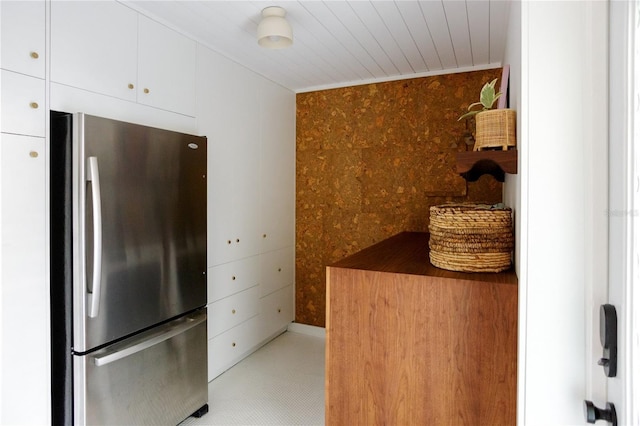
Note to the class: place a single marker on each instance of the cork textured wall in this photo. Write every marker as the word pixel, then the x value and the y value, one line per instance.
pixel 370 161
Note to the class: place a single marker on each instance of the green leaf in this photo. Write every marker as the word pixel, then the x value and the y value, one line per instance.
pixel 488 95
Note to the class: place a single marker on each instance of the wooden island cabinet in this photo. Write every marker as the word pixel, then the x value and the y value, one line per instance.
pixel 411 344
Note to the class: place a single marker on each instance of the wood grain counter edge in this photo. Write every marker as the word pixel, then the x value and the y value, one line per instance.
pixel 408 253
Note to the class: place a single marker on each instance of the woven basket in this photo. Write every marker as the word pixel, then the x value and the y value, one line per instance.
pixel 471 237
pixel 495 128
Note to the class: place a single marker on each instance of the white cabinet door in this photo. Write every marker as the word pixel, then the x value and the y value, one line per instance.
pixel 277 166
pixel 166 68
pixel 23 110
pixel 25 366
pixel 94 46
pixel 228 114
pixel 242 132
pixel 22 24
pixel 246 200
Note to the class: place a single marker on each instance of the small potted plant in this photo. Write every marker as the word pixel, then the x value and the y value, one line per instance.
pixel 495 128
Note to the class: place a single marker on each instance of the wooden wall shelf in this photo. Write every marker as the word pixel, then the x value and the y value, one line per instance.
pixel 473 164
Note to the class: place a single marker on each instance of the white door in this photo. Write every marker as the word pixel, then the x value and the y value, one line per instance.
pixel 624 201
pixel 565 193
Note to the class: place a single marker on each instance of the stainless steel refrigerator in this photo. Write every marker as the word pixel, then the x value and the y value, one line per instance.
pixel 128 272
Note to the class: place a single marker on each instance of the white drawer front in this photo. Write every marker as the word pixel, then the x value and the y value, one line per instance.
pixel 23 109
pixel 276 311
pixel 276 270
pixel 233 277
pixel 231 311
pixel 231 346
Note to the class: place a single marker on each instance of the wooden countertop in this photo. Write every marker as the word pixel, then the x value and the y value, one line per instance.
pixel 408 253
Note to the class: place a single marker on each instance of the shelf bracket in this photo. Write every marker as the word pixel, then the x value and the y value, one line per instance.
pixel 473 164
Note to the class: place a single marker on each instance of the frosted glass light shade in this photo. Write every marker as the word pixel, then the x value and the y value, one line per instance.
pixel 274 32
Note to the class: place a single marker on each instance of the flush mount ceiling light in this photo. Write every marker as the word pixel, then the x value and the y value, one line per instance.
pixel 274 32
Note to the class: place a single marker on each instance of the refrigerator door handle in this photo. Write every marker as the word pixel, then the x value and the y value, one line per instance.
pixel 93 176
pixel 146 341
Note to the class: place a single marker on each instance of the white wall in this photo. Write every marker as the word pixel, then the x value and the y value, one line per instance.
pixel 556 51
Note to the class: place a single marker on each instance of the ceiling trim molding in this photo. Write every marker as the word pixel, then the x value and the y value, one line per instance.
pixel 400 77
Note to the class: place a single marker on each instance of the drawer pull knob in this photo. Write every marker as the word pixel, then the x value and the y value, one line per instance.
pixel 228 241
pixel 34 105
pixel 233 345
pixel 264 235
pixel 233 278
pixel 33 154
pixel 279 310
pixel 233 311
pixel 279 269
pixel 146 90
pixel 237 240
pixel 34 55
pixel 130 86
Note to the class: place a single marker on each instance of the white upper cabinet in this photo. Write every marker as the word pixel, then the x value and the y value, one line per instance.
pixel 108 48
pixel 94 47
pixel 23 37
pixel 166 68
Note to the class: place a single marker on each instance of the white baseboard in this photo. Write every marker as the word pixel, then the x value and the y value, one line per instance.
pixel 310 330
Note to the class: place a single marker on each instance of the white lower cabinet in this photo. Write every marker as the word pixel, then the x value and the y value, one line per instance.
pixel 24 281
pixel 276 270
pixel 233 310
pixel 233 277
pixel 250 302
pixel 276 312
pixel 233 345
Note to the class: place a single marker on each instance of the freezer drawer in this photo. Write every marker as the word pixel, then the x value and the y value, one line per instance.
pixel 156 377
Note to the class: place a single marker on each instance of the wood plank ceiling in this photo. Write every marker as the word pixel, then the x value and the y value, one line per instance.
pixel 341 43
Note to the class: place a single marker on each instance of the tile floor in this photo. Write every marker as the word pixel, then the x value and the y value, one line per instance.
pixel 280 384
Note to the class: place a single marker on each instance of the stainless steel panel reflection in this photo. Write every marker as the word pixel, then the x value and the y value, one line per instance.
pixel 153 187
pixel 163 384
